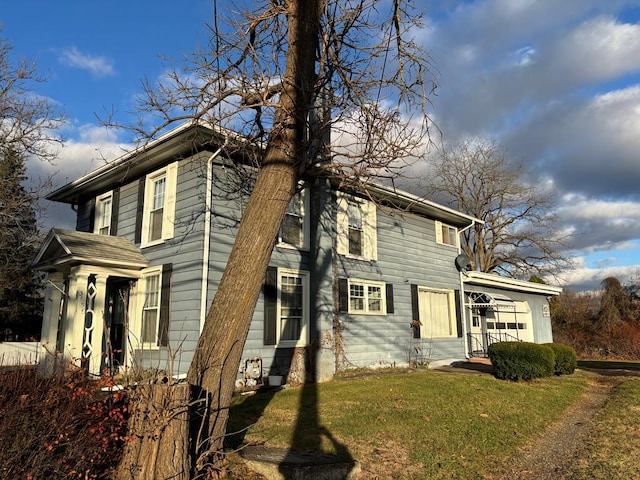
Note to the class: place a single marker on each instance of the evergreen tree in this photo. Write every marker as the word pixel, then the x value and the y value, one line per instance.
pixel 20 294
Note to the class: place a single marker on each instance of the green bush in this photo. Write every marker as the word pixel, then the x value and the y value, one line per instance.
pixel 566 358
pixel 521 360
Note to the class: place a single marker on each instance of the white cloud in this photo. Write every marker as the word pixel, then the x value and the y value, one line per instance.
pixel 96 65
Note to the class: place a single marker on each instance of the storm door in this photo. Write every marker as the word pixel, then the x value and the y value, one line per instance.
pixel 116 324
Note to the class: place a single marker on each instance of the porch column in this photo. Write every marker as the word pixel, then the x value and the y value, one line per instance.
pixel 74 321
pixel 51 320
pixel 94 323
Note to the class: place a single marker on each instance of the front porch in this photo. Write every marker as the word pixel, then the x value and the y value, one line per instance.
pixel 89 277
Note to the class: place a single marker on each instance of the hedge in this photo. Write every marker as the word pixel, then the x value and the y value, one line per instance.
pixel 566 358
pixel 521 360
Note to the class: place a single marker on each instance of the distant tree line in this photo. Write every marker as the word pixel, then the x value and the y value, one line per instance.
pixel 600 324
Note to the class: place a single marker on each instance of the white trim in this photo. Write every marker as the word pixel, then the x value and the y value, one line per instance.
pixel 365 284
pixel 304 193
pixel 439 237
pixel 369 227
pixel 492 280
pixel 304 328
pixel 139 305
pixel 98 213
pixel 170 174
pixel 204 289
pixel 451 304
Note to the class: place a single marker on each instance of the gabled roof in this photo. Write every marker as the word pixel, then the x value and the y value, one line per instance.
pixel 186 138
pixel 68 247
pixel 506 283
pixel 198 135
pixel 421 205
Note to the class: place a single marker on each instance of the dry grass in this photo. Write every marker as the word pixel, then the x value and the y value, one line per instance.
pixel 613 448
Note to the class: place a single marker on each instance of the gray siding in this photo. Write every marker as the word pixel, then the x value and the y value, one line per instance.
pixel 407 254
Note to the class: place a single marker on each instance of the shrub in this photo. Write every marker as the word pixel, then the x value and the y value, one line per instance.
pixel 521 360
pixel 566 358
pixel 59 426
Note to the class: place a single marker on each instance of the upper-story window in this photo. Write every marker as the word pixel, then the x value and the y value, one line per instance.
pixel 295 226
pixel 103 212
pixel 356 227
pixel 159 205
pixel 446 234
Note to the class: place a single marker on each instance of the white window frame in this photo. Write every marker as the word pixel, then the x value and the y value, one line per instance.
pixel 304 328
pixel 101 220
pixel 440 238
pixel 303 196
pixel 369 227
pixel 170 174
pixel 365 284
pixel 451 310
pixel 145 275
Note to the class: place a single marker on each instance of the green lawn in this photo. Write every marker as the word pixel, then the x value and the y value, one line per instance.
pixel 421 424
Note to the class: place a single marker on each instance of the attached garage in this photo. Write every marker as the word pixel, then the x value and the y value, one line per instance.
pixel 502 309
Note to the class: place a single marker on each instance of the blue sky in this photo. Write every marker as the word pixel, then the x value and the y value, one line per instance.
pixel 556 82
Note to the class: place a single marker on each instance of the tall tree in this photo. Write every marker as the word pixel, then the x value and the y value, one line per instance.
pixel 615 304
pixel 283 75
pixel 518 237
pixel 20 298
pixel 28 125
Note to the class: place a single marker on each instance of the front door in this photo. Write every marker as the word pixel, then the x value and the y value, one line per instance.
pixel 116 324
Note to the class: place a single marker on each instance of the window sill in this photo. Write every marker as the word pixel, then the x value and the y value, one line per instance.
pixel 379 314
pixel 357 257
pixel 288 246
pixel 152 244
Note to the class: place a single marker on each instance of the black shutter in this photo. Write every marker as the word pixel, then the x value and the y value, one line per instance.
pixel 458 313
pixel 92 214
pixel 139 211
pixel 115 206
pixel 343 295
pixel 270 298
pixel 389 289
pixel 165 305
pixel 415 311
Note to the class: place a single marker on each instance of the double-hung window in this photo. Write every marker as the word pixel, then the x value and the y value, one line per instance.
pixel 159 205
pixel 153 305
pixel 446 234
pixel 286 308
pixel 367 297
pixel 356 227
pixel 295 226
pixel 103 212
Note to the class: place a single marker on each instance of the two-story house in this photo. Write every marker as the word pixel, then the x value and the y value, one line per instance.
pixel 354 280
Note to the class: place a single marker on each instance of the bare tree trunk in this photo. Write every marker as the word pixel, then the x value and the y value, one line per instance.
pixel 158 447
pixel 214 366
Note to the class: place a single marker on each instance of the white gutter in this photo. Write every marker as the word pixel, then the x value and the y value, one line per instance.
pixel 207 239
pixel 462 305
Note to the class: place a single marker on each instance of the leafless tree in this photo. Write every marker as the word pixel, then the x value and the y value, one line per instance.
pixel 28 123
pixel 519 236
pixel 283 74
pixel 28 126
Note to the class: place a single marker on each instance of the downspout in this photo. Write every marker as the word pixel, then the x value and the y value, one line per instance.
pixel 463 296
pixel 207 238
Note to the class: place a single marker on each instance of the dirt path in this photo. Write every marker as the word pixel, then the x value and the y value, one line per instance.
pixel 549 456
